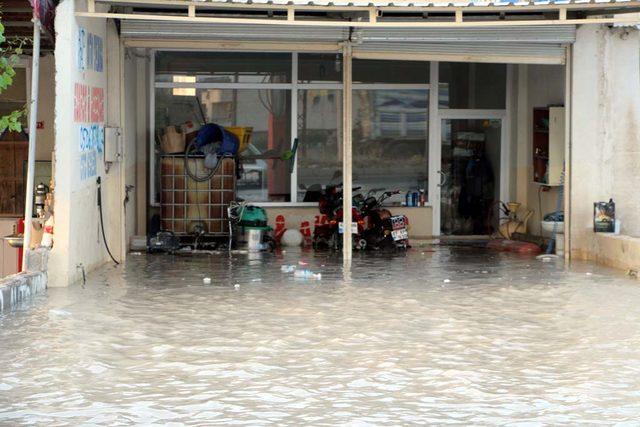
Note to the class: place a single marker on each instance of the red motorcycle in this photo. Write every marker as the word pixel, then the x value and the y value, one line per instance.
pixel 328 235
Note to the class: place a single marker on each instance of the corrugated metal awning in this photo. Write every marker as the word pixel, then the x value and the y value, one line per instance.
pixel 370 14
pixel 414 3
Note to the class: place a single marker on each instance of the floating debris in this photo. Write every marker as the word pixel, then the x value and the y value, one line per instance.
pixel 307 274
pixel 288 268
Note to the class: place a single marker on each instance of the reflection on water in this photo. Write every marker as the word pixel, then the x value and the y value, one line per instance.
pixel 455 335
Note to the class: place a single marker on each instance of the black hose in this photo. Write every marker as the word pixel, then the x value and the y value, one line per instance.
pixel 104 238
pixel 187 168
pixel 204 119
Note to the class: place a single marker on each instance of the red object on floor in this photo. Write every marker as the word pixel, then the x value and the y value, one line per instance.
pixel 305 229
pixel 280 228
pixel 503 245
pixel 20 230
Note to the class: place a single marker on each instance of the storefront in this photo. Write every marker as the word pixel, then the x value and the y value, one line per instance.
pixel 284 96
pixel 402 97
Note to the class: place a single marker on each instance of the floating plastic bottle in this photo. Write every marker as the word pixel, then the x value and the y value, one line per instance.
pixel 307 274
pixel 288 268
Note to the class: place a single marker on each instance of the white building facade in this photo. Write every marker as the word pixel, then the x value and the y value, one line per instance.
pixel 376 94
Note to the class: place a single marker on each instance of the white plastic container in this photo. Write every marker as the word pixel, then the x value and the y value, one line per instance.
pixel 254 239
pixel 548 227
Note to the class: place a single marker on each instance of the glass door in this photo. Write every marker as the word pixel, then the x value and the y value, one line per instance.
pixel 470 176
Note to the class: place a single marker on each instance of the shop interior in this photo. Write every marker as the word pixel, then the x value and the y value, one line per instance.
pixel 451 162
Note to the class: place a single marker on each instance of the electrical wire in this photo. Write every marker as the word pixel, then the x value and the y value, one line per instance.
pixel 104 238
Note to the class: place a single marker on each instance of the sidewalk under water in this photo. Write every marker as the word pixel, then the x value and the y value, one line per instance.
pixel 456 335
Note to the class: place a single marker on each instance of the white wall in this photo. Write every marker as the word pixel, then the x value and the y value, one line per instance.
pixel 46 107
pixel 605 135
pixel 77 232
pixel 8 255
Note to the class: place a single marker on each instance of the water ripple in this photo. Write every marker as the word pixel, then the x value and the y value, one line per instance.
pixel 452 336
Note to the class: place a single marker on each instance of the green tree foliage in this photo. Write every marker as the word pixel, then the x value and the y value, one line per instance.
pixel 9 52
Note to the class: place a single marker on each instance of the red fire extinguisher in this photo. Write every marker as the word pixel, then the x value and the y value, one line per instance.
pixel 20 230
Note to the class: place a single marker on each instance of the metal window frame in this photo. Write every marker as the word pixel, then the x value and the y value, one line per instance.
pixel 434 121
pixel 294 86
pixel 435 143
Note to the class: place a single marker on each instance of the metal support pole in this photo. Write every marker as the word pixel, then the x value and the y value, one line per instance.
pixel 347 158
pixel 33 118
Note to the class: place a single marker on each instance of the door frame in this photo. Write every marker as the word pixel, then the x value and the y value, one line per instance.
pixel 436 153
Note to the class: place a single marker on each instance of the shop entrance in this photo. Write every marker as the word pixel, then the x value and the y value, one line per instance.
pixel 470 175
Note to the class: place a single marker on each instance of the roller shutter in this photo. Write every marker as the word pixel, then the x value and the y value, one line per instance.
pixel 544 44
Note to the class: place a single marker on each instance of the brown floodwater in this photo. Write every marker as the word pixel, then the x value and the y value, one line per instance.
pixel 457 335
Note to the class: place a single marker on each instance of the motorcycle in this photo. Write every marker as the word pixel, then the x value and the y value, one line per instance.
pixel 381 229
pixel 327 235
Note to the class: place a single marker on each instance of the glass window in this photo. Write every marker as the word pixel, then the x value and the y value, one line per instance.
pixel 319 140
pixel 390 140
pixel 224 67
pixel 379 71
pixel 268 112
pixel 466 85
pixel 320 67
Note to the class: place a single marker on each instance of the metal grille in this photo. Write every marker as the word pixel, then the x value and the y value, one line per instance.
pixel 187 205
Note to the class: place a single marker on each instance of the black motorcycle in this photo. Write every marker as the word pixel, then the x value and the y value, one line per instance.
pixel 381 229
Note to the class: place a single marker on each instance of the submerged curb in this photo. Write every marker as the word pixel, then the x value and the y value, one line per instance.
pixel 20 287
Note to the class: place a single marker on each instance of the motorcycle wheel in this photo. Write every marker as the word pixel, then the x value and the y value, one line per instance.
pixel 320 243
pixel 361 245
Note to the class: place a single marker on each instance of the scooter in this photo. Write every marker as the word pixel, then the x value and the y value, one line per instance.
pixel 381 229
pixel 328 235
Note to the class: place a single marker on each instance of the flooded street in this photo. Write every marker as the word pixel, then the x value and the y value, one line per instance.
pixel 457 335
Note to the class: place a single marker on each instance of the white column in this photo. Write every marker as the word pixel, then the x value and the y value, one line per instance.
pixel 347 160
pixel 434 148
pixel 33 119
pixel 567 153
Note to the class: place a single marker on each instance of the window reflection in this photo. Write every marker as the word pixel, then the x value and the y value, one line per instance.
pixel 320 139
pixel 267 112
pixel 390 139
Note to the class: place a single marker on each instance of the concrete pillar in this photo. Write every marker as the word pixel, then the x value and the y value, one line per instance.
pixel 81 113
pixel 605 131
